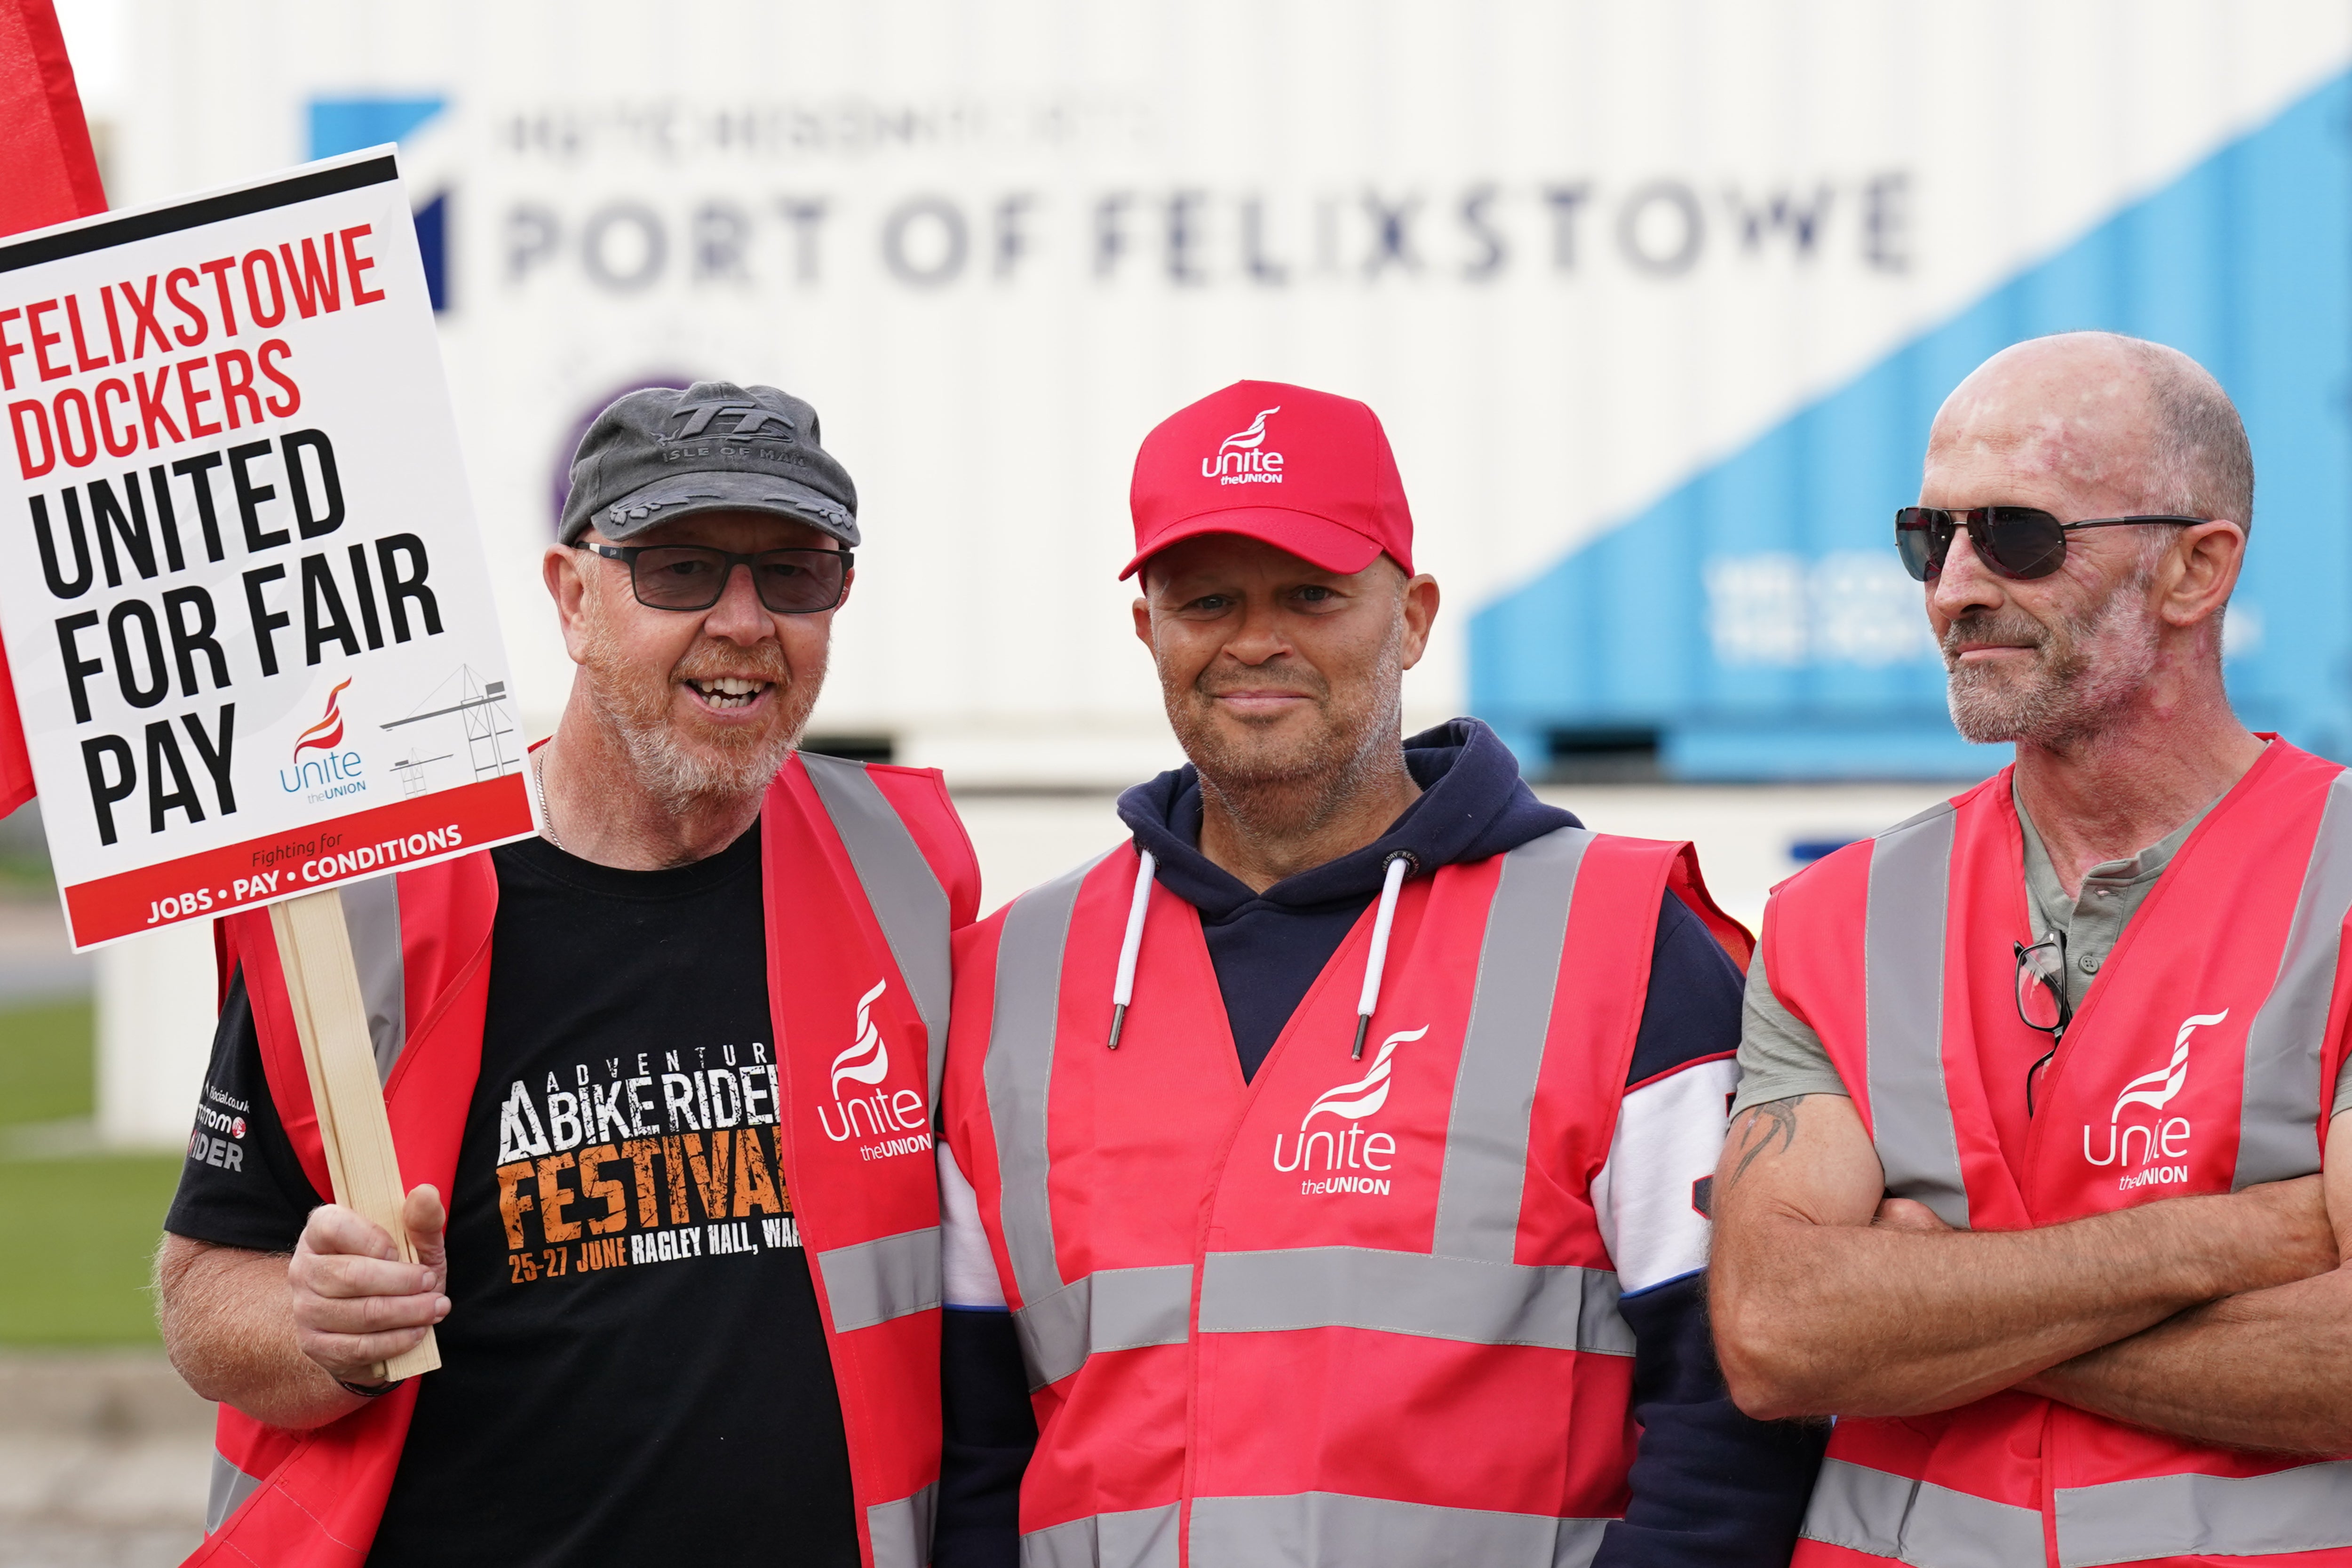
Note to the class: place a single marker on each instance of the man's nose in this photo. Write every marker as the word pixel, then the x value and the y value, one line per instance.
pixel 1259 637
pixel 1965 583
pixel 739 616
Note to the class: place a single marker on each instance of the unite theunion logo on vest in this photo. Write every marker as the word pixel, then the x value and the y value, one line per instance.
pixel 1241 458
pixel 2158 1138
pixel 1348 1148
pixel 899 1121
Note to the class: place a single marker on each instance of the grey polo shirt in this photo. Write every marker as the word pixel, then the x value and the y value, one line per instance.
pixel 1780 1057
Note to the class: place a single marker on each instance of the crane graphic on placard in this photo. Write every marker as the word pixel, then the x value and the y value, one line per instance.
pixel 464 713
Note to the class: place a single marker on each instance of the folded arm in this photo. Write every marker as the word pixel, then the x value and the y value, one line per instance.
pixel 2268 1369
pixel 1822 1308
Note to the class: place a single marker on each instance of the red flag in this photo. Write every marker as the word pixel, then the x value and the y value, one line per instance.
pixel 47 175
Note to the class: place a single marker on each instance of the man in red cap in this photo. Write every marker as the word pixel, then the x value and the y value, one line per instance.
pixel 1326 1163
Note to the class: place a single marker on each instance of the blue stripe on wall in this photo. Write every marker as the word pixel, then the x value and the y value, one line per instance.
pixel 340 125
pixel 1748 616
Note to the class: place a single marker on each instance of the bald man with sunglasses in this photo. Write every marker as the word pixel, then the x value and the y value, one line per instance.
pixel 2038 1178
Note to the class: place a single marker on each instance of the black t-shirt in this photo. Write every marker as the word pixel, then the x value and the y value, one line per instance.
pixel 633 1367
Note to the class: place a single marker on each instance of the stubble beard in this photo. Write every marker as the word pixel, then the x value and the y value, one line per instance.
pixel 2087 668
pixel 723 766
pixel 1280 789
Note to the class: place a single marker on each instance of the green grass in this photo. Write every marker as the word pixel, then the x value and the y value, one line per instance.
pixel 46 1063
pixel 75 1234
pixel 26 874
pixel 78 1235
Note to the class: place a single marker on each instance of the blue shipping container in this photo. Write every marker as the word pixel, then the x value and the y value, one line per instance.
pixel 1753 623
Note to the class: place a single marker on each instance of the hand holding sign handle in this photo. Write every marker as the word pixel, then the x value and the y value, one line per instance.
pixel 323 985
pixel 357 1305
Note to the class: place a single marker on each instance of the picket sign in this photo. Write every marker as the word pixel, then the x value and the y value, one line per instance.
pixel 225 427
pixel 314 946
pixel 69 261
pixel 53 178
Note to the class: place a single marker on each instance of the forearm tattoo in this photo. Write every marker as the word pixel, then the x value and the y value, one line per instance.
pixel 1763 1123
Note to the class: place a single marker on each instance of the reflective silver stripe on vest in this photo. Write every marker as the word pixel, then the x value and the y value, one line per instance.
pixel 227 1492
pixel 1881 1514
pixel 901 1531
pixel 2308 1509
pixel 1109 1310
pixel 1502 1049
pixel 875 1281
pixel 1903 969
pixel 1465 1299
pixel 1330 1530
pixel 1137 1537
pixel 2278 1127
pixel 371 915
pixel 902 890
pixel 1019 1071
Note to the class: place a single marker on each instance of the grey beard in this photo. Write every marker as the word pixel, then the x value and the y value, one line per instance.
pixel 2086 670
pixel 677 776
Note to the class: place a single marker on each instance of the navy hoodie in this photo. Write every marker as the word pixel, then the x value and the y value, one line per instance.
pixel 1710 1486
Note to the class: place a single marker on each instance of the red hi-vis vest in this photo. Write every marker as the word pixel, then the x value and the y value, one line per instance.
pixel 2198 1063
pixel 866 872
pixel 1351 1311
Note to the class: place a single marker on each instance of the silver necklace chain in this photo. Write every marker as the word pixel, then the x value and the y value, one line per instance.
pixel 539 777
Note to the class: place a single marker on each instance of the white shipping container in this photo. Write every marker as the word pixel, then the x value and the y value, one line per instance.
pixel 1569 252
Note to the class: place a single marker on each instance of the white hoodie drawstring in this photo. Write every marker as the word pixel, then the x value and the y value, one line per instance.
pixel 1122 989
pixel 1400 863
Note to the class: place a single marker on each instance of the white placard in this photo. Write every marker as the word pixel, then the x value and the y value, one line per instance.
pixel 246 610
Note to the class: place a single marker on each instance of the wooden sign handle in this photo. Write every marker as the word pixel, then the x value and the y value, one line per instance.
pixel 315 948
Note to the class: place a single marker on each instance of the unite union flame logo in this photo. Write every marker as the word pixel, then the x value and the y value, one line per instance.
pixel 868 1060
pixel 2156 1088
pixel 1354 1102
pixel 1251 439
pixel 328 733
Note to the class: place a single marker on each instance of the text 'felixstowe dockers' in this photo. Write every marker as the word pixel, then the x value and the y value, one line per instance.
pixel 229 480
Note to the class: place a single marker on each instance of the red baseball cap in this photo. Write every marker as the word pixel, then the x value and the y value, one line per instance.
pixel 1301 469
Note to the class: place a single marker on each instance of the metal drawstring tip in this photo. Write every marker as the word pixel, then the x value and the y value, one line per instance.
pixel 1363 1027
pixel 1117 1022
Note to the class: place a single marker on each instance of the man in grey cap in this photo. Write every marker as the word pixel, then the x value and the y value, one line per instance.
pixel 673 1063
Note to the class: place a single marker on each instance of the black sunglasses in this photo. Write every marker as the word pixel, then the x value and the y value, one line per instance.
pixel 694 576
pixel 2041 998
pixel 2020 542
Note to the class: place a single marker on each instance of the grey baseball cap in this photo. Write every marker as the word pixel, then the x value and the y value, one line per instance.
pixel 659 453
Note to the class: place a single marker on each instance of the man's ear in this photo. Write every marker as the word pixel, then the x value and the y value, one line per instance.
pixel 1421 598
pixel 1143 608
pixel 2206 564
pixel 560 570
